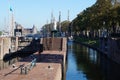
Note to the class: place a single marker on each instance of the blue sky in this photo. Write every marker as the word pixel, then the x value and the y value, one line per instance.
pixel 37 12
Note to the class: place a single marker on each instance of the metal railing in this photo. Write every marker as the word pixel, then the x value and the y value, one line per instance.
pixel 25 69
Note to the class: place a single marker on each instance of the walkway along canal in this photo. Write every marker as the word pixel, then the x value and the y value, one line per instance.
pixel 87 64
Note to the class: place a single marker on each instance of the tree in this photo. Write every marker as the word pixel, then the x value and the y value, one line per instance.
pixel 93 17
pixel 0 33
pixel 65 26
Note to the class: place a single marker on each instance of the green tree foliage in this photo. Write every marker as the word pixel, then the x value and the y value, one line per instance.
pixel 0 32
pixel 101 14
pixel 65 25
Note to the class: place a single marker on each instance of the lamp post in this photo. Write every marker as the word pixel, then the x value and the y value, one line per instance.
pixel 54 28
pixel 43 31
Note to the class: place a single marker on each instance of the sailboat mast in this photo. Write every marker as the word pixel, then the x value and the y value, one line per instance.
pixel 60 21
pixel 12 24
pixel 68 15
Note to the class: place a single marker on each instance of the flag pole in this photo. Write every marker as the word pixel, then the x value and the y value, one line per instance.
pixel 11 22
pixel 11 33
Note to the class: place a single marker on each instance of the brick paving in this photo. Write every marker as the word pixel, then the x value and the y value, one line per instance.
pixel 40 72
pixel 48 66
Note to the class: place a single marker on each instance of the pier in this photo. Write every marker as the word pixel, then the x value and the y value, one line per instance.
pixel 49 63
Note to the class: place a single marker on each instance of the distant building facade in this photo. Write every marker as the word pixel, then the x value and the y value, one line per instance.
pixel 21 31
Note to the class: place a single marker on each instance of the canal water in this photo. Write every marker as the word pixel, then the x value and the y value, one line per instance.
pixel 87 64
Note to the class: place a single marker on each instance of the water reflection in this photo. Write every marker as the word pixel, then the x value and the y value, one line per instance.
pixel 87 64
pixel 72 72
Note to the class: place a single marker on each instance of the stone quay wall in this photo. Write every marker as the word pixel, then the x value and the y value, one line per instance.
pixel 111 47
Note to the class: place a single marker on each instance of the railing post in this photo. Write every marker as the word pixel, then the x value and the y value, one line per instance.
pixel 25 70
pixel 35 62
pixel 21 70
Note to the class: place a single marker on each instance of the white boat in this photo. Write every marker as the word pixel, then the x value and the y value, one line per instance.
pixel 70 38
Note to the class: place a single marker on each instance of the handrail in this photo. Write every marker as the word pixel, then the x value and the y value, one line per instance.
pixel 28 67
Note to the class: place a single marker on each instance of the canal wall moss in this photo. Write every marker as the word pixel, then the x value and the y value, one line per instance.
pixel 92 43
